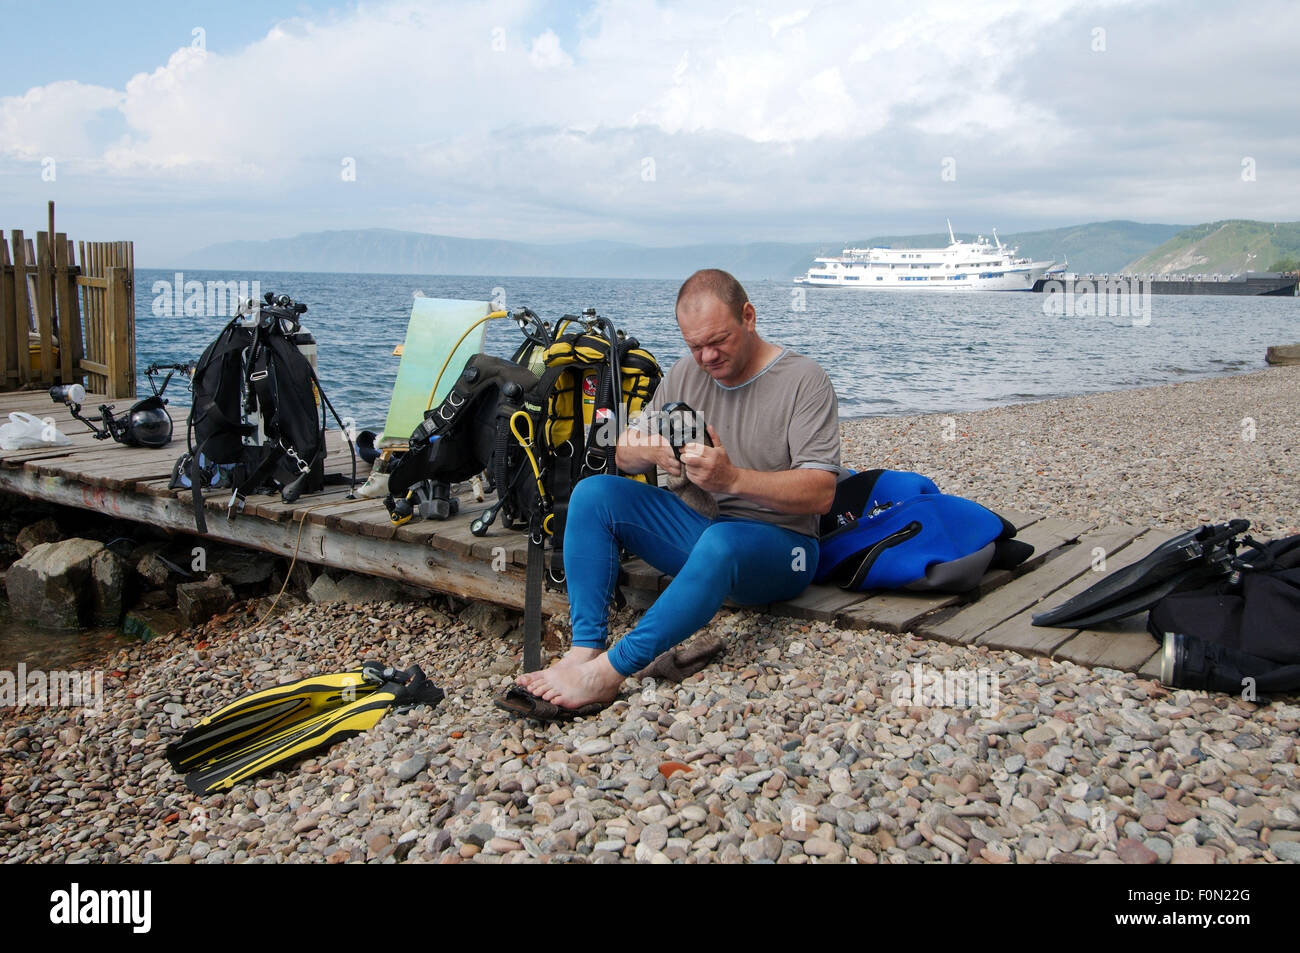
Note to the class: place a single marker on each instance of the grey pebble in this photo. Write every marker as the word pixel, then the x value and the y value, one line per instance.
pixel 1160 847
pixel 409 768
pixel 1286 850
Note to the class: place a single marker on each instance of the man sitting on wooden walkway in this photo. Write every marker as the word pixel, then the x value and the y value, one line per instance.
pixel 773 419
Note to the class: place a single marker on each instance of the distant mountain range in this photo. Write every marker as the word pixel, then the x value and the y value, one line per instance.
pixel 387 251
pixel 1224 248
pixel 1096 247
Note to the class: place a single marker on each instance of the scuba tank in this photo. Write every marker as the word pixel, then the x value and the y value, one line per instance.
pixel 302 339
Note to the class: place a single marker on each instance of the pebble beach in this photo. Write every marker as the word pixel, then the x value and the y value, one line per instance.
pixel 794 747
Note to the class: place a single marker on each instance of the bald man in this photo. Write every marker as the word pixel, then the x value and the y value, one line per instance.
pixel 773 419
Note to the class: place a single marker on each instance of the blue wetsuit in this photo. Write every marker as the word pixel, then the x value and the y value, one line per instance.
pixel 784 418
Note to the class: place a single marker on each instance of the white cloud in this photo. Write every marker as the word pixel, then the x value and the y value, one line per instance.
pixel 547 52
pixel 55 120
pixel 771 122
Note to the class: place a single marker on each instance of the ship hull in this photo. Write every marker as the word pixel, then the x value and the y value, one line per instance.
pixel 1018 279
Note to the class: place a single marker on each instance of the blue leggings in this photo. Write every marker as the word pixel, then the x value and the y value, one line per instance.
pixel 751 562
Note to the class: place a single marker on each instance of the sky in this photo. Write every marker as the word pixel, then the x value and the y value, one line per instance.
pixel 179 125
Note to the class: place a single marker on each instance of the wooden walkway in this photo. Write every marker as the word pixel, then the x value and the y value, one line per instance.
pixel 332 530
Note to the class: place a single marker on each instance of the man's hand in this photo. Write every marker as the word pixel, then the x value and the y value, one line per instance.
pixel 637 452
pixel 804 490
pixel 710 468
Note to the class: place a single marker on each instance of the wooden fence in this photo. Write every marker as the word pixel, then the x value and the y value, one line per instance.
pixel 62 321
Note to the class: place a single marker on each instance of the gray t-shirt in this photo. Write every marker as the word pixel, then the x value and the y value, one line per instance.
pixel 786 417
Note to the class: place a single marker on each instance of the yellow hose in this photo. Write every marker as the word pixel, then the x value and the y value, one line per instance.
pixel 527 444
pixel 438 380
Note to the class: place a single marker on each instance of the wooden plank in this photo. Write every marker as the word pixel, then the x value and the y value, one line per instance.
pixel 116 456
pixel 85 453
pixel 156 488
pixel 9 372
pixel 108 331
pixel 971 622
pixel 95 379
pixel 819 603
pixel 417 531
pixel 45 306
pixel 1020 634
pixel 63 298
pixel 128 261
pixel 74 305
pixel 104 472
pixel 1126 646
pixel 31 401
pixel 486 547
pixel 274 509
pixel 121 378
pixel 124 479
pixel 369 521
pixel 455 537
pixel 17 459
pixel 101 320
pixel 21 313
pixel 120 258
pixel 1018 519
pixel 82 456
pixel 322 516
pixel 95 302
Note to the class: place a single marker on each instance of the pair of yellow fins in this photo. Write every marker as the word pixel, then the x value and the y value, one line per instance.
pixel 271 728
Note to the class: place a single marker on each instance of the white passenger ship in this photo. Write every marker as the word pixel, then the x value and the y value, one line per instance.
pixel 962 266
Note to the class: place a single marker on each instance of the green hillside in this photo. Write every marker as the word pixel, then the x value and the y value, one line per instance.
pixel 1224 248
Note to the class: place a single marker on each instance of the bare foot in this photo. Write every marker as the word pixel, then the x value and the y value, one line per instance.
pixel 578 655
pixel 572 686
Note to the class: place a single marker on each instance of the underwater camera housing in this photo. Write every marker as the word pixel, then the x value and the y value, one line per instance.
pixel 145 424
pixel 681 424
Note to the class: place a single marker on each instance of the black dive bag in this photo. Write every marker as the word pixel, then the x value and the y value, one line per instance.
pixel 258 408
pixel 468 433
pixel 1243 627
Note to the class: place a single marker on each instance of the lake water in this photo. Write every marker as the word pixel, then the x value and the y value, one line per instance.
pixel 886 352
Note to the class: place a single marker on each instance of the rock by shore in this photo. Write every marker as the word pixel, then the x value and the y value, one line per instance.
pixel 796 747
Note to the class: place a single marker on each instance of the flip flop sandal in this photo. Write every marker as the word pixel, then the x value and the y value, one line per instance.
pixel 682 661
pixel 520 701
